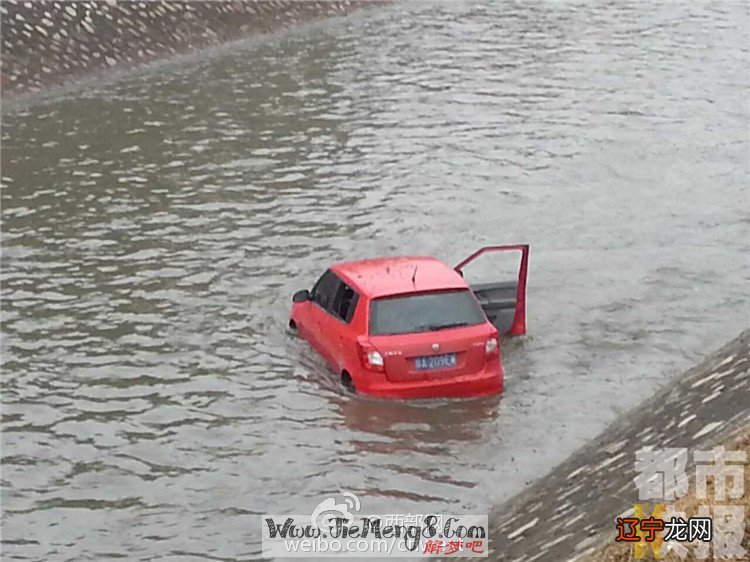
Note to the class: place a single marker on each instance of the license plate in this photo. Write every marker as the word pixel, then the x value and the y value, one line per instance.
pixel 435 362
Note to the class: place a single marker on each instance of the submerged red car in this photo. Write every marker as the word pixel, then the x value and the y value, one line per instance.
pixel 412 327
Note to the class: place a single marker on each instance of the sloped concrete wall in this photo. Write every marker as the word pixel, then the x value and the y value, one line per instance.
pixel 702 408
pixel 46 43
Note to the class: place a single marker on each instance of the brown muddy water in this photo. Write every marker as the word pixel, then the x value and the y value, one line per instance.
pixel 155 227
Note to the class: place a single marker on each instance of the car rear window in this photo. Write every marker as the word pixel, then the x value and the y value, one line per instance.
pixel 424 312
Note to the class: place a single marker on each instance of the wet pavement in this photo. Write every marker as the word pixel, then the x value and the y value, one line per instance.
pixel 155 227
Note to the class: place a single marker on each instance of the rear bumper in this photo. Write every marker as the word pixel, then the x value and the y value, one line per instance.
pixel 485 382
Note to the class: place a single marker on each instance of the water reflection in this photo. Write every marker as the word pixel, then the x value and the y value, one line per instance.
pixel 431 428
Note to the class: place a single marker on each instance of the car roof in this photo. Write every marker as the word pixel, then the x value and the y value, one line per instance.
pixel 382 277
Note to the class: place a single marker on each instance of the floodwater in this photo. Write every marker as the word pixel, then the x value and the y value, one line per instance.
pixel 155 227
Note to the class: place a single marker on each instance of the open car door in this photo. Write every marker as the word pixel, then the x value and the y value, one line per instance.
pixel 503 301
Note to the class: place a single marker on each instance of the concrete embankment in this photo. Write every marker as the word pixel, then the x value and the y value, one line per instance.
pixel 568 513
pixel 50 43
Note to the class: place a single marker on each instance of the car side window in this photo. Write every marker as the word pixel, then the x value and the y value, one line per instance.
pixel 322 292
pixel 344 302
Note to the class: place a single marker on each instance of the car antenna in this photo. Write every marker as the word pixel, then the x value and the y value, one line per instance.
pixel 414 277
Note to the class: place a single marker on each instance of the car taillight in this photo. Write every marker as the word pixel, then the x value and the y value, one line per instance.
pixel 371 358
pixel 375 359
pixel 492 347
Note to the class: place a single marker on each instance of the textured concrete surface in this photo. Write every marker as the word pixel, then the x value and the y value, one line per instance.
pixel 48 43
pixel 568 513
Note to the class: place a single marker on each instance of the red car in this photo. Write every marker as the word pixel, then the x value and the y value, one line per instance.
pixel 412 327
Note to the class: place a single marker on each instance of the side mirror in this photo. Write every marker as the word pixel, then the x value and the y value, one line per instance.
pixel 301 296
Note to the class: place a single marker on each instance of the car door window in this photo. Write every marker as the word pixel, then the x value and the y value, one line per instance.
pixel 344 302
pixel 323 291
